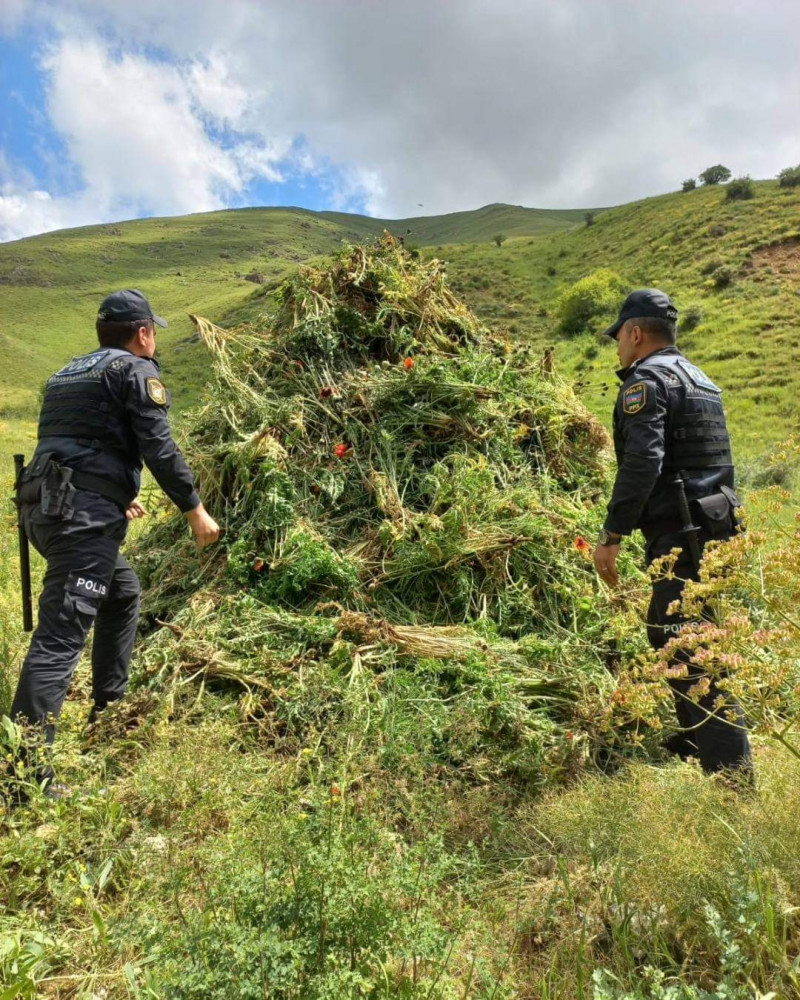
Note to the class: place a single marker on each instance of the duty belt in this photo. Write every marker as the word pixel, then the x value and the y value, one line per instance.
pixel 29 485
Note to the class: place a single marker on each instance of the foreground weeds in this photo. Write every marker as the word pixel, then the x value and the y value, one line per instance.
pixel 210 866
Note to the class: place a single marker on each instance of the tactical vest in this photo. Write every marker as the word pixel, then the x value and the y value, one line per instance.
pixel 696 437
pixel 78 405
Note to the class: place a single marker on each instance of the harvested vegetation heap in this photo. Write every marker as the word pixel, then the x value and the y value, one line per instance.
pixel 399 490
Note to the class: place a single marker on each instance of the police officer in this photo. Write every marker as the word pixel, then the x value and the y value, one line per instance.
pixel 671 443
pixel 103 416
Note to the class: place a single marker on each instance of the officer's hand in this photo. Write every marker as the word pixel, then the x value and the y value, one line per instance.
pixel 135 510
pixel 204 527
pixel 605 562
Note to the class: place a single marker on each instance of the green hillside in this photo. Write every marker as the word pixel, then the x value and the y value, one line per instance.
pixel 51 284
pixel 391 737
pixel 743 331
pixel 733 269
pixel 479 226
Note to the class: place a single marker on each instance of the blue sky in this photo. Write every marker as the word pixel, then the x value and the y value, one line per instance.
pixel 112 110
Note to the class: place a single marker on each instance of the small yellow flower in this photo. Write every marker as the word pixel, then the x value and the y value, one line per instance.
pixel 77 901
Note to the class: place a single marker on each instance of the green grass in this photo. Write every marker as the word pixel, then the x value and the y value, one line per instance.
pixel 52 284
pixel 344 863
pixel 479 226
pixel 746 338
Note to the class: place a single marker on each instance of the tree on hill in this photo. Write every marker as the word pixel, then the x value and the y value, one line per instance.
pixel 589 218
pixel 689 184
pixel 715 175
pixel 500 239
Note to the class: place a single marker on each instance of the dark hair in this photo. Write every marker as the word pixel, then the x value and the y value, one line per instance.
pixel 119 333
pixel 658 329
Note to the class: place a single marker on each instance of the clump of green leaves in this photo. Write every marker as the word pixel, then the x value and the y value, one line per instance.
pixel 589 302
pixel 789 177
pixel 740 189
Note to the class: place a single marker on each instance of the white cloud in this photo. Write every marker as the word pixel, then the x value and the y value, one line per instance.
pixel 220 97
pixel 131 126
pixel 12 14
pixel 136 129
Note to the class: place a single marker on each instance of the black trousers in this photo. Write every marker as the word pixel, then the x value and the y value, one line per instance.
pixel 716 735
pixel 87 583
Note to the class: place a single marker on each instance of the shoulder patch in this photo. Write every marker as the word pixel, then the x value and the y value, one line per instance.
pixel 157 391
pixel 634 398
pixel 698 377
pixel 82 364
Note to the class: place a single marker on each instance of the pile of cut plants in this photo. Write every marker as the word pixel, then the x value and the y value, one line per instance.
pixel 403 494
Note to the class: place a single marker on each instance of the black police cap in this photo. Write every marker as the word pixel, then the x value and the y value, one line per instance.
pixel 644 302
pixel 128 305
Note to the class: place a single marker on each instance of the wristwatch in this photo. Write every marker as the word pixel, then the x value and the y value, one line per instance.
pixel 608 538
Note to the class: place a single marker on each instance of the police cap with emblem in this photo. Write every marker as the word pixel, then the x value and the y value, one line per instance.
pixel 129 305
pixel 644 302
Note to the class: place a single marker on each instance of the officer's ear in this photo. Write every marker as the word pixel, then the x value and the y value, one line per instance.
pixel 637 335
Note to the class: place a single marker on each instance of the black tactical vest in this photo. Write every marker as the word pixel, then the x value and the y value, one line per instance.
pixel 696 438
pixel 78 404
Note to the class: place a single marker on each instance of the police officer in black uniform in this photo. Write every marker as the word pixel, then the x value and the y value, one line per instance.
pixel 672 442
pixel 103 416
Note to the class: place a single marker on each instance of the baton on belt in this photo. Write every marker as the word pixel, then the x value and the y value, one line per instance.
pixel 688 530
pixel 24 553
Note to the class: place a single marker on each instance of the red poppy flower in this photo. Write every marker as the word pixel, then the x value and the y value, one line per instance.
pixel 408 363
pixel 258 564
pixel 335 790
pixel 325 392
pixel 340 450
pixel 581 544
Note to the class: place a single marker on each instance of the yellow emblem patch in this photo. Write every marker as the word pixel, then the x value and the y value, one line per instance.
pixel 634 398
pixel 157 391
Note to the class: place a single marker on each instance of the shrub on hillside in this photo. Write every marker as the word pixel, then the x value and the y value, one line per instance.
pixel 740 189
pixel 689 184
pixel 715 175
pixel 589 301
pixel 723 276
pixel 789 177
pixel 499 239
pixel 589 218
pixel 690 318
pixel 711 265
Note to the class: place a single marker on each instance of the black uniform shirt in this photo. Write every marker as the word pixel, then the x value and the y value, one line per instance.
pixel 141 433
pixel 643 495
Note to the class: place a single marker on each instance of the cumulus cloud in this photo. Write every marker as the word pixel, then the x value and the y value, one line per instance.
pixel 147 137
pixel 552 103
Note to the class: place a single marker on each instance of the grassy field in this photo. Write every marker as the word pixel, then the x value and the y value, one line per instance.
pixel 732 267
pixel 346 840
pixel 52 284
pixel 743 332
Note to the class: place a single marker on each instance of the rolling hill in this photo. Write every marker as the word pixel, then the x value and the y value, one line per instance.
pixel 732 266
pixel 50 285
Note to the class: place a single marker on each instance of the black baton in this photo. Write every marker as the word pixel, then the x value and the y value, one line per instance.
pixel 24 553
pixel 688 530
